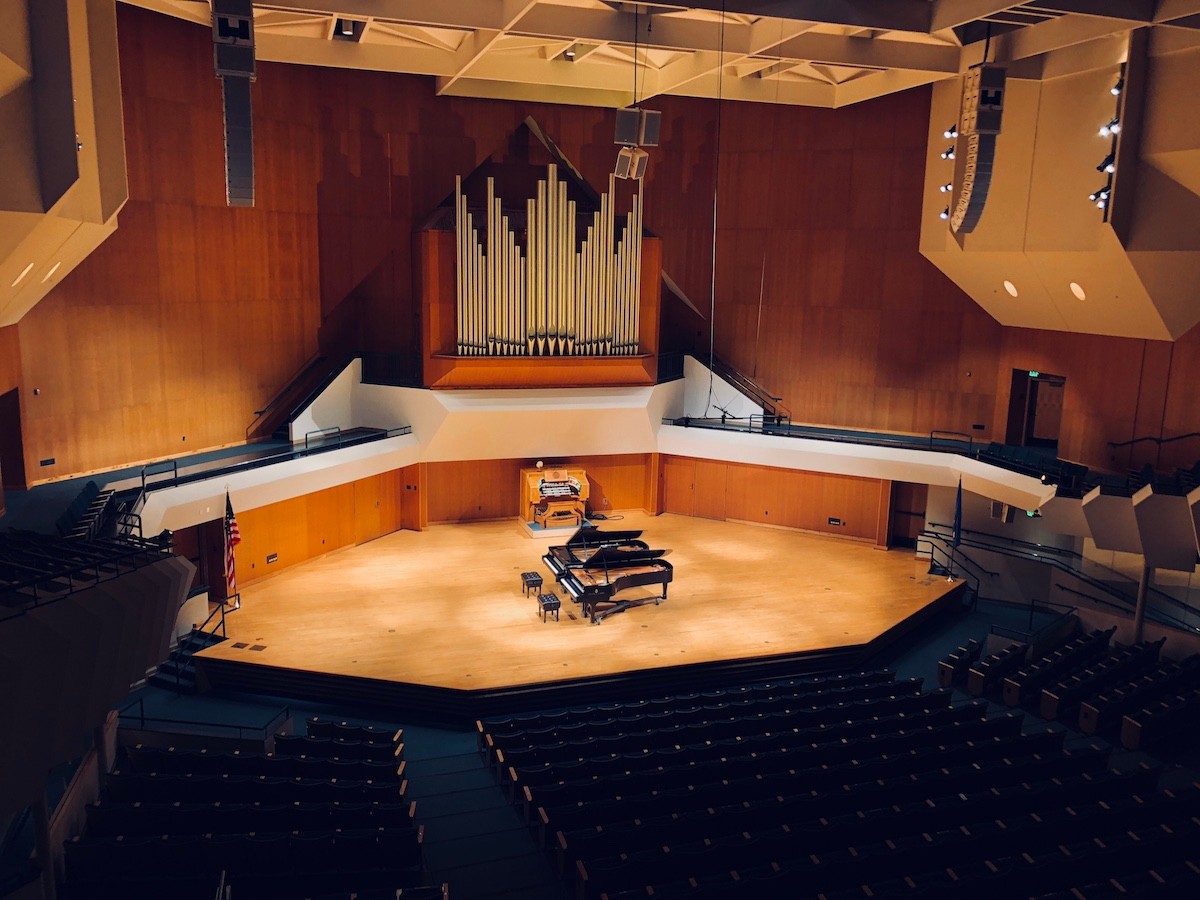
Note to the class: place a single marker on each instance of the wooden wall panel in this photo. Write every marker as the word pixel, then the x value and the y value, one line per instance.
pixel 193 315
pixel 770 496
pixel 473 490
pixel 312 525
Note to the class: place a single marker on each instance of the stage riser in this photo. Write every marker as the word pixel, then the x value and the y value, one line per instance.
pixel 440 704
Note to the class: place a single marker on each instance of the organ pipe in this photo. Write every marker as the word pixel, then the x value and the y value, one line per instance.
pixel 558 295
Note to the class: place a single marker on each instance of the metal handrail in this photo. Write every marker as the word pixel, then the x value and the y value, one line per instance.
pixel 331 429
pixel 1049 557
pixel 1157 440
pixel 264 730
pixel 972 580
pixel 174 464
pixel 199 629
pixel 963 434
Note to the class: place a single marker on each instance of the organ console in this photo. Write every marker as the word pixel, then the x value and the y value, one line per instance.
pixel 594 566
pixel 554 497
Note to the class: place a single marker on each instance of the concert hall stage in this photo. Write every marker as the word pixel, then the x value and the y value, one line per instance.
pixel 437 621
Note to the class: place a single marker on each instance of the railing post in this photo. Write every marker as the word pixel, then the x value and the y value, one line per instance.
pixel 1139 612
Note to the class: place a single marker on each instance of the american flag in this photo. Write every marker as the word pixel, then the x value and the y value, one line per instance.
pixel 233 537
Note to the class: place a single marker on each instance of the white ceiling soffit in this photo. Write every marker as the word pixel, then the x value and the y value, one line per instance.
pixel 802 52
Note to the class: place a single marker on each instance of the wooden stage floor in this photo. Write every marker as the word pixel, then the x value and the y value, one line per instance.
pixel 444 607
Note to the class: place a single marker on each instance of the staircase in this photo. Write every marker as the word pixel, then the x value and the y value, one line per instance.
pixel 178 672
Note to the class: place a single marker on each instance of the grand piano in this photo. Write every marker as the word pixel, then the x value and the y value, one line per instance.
pixel 594 566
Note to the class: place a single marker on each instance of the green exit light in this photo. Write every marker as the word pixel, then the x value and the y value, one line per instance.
pixel 1034 373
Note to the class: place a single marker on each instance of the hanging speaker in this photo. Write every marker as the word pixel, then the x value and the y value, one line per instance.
pixel 629 124
pixel 624 162
pixel 639 159
pixel 649 127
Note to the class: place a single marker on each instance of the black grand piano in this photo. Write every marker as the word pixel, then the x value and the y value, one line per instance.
pixel 594 565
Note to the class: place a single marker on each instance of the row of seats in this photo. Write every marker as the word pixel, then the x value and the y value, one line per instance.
pixel 1167 678
pixel 1062 700
pixel 329 729
pixel 109 818
pixel 1027 682
pixel 740 718
pixel 993 669
pixel 158 788
pixel 172 761
pixel 953 668
pixel 607 752
pixel 1175 719
pixel 785 689
pixel 338 748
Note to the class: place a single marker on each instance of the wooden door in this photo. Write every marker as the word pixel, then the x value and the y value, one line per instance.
pixel 679 486
pixel 709 492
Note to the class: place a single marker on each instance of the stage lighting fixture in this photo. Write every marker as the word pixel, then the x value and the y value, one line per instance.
pixel 948 153
pixel 951 132
pixel 944 214
pixel 946 188
pixel 1113 126
pixel 1108 164
pixel 1119 86
pixel 1101 194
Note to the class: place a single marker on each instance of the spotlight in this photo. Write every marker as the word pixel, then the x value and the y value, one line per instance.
pixel 946 188
pixel 1102 203
pixel 951 132
pixel 948 153
pixel 944 214
pixel 1119 86
pixel 1112 127
pixel 1101 194
pixel 1108 164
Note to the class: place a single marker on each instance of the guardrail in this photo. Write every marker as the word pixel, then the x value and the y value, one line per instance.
pixel 240 731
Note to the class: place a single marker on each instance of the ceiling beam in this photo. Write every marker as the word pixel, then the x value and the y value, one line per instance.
pixel 1139 11
pixel 1045 37
pixel 871 53
pixel 886 15
pixel 952 13
pixel 481 41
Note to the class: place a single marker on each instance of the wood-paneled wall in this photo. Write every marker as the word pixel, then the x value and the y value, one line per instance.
pixel 490 489
pixel 314 524
pixel 12 469
pixel 770 496
pixel 192 315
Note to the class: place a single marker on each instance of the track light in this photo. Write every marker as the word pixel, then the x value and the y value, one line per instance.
pixel 1119 86
pixel 1102 203
pixel 948 153
pixel 951 132
pixel 1108 164
pixel 946 188
pixel 1101 194
pixel 1112 127
pixel 944 214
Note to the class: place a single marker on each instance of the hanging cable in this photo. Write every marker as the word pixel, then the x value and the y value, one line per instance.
pixel 762 281
pixel 712 296
pixel 635 56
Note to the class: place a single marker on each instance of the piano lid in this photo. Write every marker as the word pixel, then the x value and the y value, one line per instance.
pixel 592 536
pixel 616 558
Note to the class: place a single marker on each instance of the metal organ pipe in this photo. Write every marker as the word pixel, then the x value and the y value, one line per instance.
pixel 562 296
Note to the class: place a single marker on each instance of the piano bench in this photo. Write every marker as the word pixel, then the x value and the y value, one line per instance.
pixel 549 603
pixel 531 581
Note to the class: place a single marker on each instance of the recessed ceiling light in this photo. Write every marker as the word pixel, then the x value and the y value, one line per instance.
pixel 50 274
pixel 1011 288
pixel 24 272
pixel 1078 291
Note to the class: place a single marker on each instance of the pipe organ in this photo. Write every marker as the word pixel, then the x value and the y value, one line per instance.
pixel 571 287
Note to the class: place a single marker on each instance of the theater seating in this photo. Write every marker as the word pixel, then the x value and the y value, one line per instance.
pixel 859 787
pixel 327 816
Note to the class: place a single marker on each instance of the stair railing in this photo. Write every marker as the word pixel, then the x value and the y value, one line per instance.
pixel 182 647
